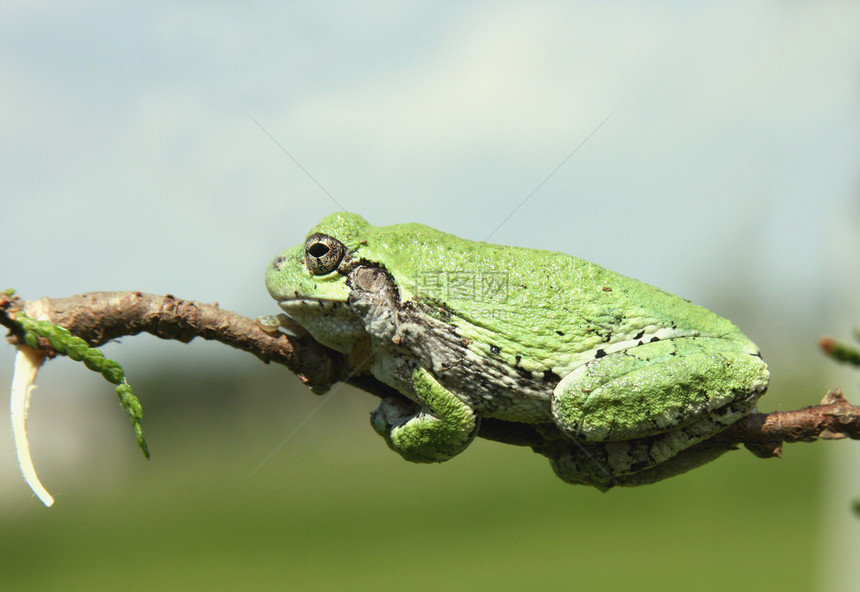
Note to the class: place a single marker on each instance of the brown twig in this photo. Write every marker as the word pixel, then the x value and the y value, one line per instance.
pixel 764 433
pixel 98 317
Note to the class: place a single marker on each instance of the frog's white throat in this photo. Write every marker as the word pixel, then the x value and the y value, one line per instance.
pixel 333 323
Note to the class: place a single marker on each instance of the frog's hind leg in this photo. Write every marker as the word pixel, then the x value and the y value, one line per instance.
pixel 634 409
pixel 657 387
pixel 589 464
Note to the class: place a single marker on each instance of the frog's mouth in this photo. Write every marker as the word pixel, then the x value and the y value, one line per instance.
pixel 301 303
pixel 331 322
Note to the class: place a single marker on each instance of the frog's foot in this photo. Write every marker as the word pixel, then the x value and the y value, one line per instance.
pixel 590 464
pixel 437 429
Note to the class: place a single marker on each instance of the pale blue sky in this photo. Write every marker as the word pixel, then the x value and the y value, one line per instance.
pixel 732 145
pixel 730 154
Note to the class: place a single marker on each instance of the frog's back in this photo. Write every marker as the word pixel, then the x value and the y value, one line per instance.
pixel 542 310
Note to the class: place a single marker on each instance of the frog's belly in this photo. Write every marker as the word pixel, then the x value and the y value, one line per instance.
pixel 494 390
pixel 509 406
pixel 489 386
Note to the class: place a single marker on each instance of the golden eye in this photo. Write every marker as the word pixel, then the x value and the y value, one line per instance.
pixel 323 253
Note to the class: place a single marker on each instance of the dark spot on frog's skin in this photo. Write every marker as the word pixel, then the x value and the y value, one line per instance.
pixel 641 465
pixel 278 263
pixel 639 335
pixel 517 360
pixel 687 434
pixel 721 412
pixel 561 333
pixel 524 373
pixel 599 354
pixel 495 349
pixel 653 339
pixel 607 289
pixel 551 377
pixel 447 367
pixel 365 263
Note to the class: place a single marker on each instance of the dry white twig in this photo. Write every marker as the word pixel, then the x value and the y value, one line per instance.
pixel 27 363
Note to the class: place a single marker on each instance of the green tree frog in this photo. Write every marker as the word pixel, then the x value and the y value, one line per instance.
pixel 625 380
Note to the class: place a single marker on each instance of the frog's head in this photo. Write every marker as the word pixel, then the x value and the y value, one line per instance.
pixel 310 281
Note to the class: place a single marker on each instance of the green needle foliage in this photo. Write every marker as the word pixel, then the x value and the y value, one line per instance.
pixel 842 352
pixel 77 349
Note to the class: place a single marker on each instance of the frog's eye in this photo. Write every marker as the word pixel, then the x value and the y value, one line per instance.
pixel 323 253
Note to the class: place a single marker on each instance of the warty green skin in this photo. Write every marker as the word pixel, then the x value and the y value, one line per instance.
pixel 627 376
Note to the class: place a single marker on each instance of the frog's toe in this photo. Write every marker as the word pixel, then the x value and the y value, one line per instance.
pixel 390 413
pixel 419 436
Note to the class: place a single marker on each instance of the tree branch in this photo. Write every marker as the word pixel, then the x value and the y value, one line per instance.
pixel 98 317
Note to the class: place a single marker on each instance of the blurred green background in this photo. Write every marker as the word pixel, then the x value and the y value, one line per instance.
pixel 332 508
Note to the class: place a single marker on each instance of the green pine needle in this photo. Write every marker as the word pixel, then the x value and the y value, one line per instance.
pixel 63 342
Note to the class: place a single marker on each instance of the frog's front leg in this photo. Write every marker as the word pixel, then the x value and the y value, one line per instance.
pixel 636 408
pixel 442 427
